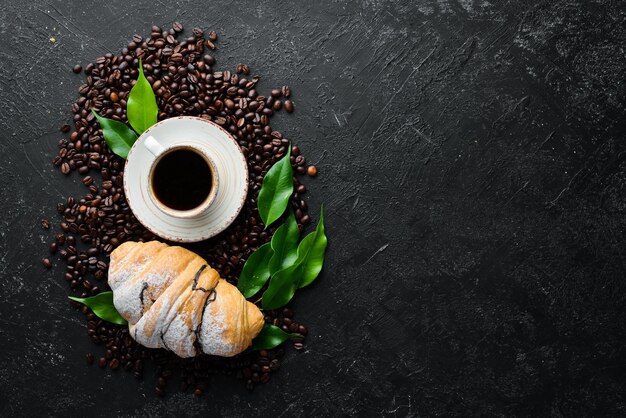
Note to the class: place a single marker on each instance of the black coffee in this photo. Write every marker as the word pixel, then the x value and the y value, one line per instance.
pixel 182 179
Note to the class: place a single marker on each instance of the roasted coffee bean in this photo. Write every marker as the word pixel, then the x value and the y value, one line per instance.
pixel 53 247
pixel 45 224
pixel 177 26
pixel 89 358
pixel 197 32
pixel 288 105
pixel 46 263
pixel 77 69
pixel 209 60
pixel 102 363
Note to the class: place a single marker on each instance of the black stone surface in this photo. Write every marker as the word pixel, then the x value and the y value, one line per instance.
pixel 473 168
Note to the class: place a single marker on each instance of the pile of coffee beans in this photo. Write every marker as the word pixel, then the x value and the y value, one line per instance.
pixel 183 76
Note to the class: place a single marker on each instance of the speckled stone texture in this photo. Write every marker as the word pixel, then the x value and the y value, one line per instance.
pixel 472 164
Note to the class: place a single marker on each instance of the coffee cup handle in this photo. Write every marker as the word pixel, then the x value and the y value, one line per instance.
pixel 153 146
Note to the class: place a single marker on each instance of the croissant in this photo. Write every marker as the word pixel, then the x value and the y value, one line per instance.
pixel 172 299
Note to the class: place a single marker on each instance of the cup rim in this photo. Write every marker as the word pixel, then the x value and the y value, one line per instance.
pixel 206 203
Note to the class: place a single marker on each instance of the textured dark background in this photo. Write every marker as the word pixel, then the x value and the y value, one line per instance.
pixel 472 163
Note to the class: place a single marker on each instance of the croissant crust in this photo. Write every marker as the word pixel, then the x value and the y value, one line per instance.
pixel 173 299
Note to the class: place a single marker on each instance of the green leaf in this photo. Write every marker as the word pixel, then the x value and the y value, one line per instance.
pixel 311 254
pixel 271 336
pixel 141 108
pixel 276 190
pixel 102 306
pixel 281 289
pixel 307 267
pixel 118 136
pixel 256 271
pixel 285 245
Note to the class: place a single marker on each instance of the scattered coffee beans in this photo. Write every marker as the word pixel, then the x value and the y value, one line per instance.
pixel 183 76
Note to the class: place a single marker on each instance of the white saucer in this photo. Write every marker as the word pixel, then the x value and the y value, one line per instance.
pixel 230 164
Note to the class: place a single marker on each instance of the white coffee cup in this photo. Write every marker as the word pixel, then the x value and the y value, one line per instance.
pixel 229 170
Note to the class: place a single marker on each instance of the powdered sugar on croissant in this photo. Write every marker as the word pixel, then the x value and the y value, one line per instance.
pixel 172 299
